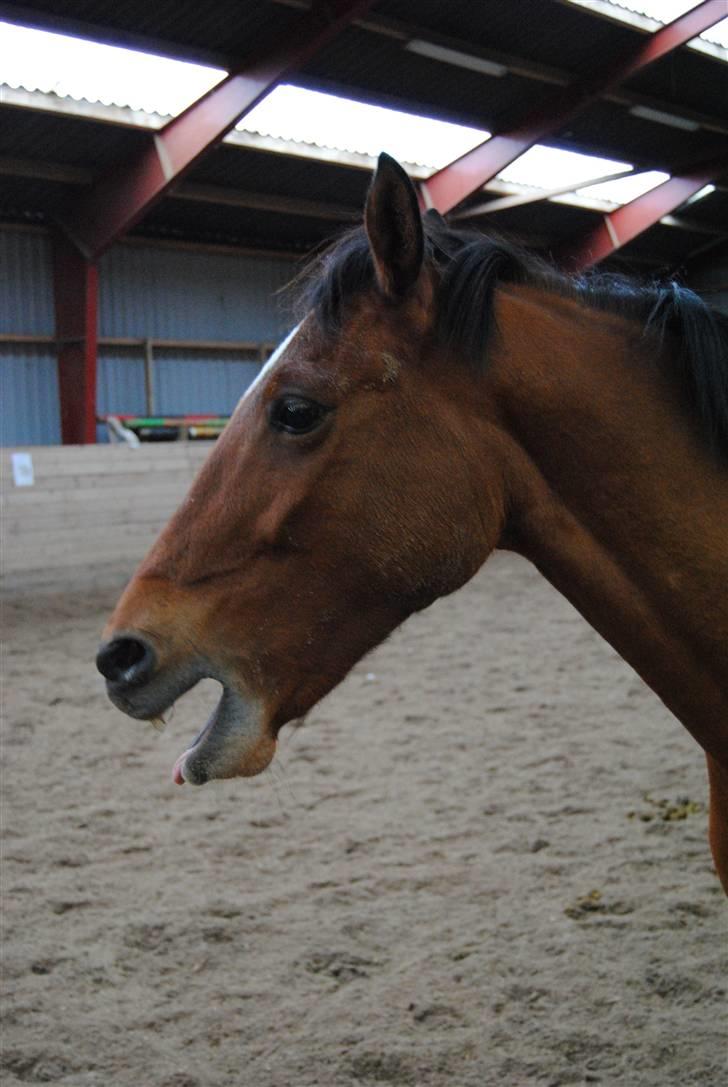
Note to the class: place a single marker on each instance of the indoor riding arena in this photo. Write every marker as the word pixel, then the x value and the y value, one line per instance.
pixel 480 856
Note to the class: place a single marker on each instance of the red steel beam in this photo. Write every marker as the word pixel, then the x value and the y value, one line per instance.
pixel 75 286
pixel 120 198
pixel 623 224
pixel 453 183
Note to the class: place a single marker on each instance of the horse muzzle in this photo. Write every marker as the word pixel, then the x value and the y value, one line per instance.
pixel 136 682
pixel 235 742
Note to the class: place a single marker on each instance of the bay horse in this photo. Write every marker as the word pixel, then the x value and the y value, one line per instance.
pixel 444 395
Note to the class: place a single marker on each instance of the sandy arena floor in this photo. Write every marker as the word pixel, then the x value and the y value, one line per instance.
pixel 482 862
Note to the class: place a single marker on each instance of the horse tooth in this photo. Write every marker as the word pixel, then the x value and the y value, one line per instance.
pixel 158 723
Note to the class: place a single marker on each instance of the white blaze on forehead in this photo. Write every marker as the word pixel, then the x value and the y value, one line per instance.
pixel 266 369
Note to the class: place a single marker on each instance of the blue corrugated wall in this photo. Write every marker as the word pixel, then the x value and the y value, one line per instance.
pixel 177 294
pixel 184 382
pixel 156 292
pixel 145 291
pixel 29 411
pixel 120 381
pixel 26 289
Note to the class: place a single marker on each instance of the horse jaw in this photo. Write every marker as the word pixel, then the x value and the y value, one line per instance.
pixel 233 743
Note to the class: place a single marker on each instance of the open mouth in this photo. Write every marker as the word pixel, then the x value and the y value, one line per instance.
pixel 233 743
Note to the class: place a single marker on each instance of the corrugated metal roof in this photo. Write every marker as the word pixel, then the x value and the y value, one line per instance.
pixel 65 138
pixel 550 32
pixel 605 129
pixel 539 225
pixel 686 78
pixel 370 68
pixel 26 201
pixel 256 171
pixel 225 28
pixel 663 245
pixel 651 14
pixel 220 224
pixel 370 61
pixel 711 210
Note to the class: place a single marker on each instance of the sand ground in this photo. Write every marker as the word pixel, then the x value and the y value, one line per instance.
pixel 482 862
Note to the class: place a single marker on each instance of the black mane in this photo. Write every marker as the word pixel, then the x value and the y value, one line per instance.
pixel 470 266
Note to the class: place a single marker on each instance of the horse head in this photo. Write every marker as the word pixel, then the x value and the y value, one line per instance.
pixel 357 480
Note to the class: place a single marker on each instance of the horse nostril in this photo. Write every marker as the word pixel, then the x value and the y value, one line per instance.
pixel 126 661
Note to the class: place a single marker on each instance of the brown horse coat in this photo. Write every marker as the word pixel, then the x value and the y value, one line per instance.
pixel 443 398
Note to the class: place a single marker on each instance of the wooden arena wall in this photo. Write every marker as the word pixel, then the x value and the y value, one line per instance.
pixel 91 513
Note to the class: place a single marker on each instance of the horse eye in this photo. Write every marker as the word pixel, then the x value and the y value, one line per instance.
pixel 296 414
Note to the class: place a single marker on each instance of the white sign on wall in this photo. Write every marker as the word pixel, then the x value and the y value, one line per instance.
pixel 23 470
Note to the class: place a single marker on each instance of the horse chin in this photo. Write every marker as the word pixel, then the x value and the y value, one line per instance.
pixel 234 743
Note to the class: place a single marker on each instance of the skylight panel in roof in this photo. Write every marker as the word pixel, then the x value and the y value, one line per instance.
pixel 69 67
pixel 665 11
pixel 624 189
pixel 303 116
pixel 549 167
pixel 651 14
pixel 719 35
pixel 294 113
pixel 74 68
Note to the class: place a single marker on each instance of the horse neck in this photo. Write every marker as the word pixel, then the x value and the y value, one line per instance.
pixel 617 500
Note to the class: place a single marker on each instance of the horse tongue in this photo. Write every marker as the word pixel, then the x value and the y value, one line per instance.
pixel 177 776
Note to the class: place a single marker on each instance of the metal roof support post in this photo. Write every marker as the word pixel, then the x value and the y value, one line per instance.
pixel 121 197
pixel 75 288
pixel 149 405
pixel 455 182
pixel 623 224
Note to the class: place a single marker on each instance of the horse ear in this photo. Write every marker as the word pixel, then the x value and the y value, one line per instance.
pixel 394 228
